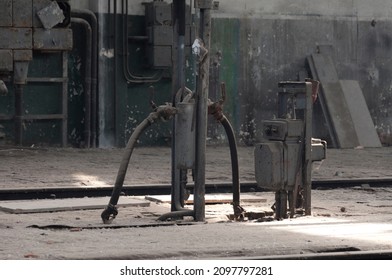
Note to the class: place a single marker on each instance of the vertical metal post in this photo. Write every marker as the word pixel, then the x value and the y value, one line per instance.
pixel 307 168
pixel 178 59
pixel 115 97
pixel 202 98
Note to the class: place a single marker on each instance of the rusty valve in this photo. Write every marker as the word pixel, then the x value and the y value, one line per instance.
pixel 216 108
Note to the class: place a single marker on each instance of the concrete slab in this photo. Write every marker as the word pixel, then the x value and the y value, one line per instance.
pixel 55 205
pixel 363 123
pixel 335 107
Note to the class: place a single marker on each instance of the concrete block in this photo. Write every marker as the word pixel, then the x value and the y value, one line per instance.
pixel 334 106
pixel 51 15
pixel 23 55
pixel 6 13
pixel 37 6
pixel 53 39
pixel 363 123
pixel 6 60
pixel 22 13
pixel 15 38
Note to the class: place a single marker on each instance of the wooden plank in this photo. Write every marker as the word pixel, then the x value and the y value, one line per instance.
pixel 332 93
pixel 54 205
pixel 209 198
pixel 363 123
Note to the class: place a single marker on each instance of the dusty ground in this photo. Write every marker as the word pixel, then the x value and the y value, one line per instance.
pixel 42 167
pixel 358 218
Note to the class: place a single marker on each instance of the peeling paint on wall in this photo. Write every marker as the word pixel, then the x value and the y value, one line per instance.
pixel 263 42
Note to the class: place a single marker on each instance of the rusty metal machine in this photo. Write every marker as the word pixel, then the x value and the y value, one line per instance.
pixel 283 160
pixel 25 27
pixel 191 108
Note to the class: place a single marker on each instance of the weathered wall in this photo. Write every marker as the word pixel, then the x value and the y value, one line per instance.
pixel 258 43
pixel 269 50
pixel 334 8
pixel 270 41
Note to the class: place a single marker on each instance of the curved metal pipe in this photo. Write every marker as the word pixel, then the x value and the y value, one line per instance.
pixel 176 214
pixel 162 112
pixel 91 18
pixel 87 78
pixel 238 210
pixel 216 110
pixel 111 212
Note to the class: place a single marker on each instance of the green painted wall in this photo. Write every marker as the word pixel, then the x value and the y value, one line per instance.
pixel 38 98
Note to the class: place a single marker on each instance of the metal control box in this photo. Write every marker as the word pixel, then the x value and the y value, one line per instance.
pixel 277 159
pixel 269 165
pixel 283 160
pixel 161 35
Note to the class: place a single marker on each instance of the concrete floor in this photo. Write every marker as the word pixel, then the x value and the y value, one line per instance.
pixel 343 220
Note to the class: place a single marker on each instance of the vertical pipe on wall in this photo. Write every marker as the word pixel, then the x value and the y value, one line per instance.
pixel 92 20
pixel 87 78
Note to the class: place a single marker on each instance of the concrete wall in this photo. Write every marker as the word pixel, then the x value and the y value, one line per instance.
pixel 333 8
pixel 270 40
pixel 269 50
pixel 247 8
